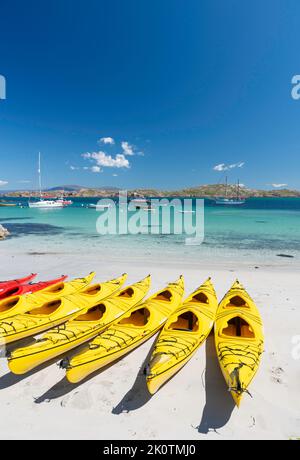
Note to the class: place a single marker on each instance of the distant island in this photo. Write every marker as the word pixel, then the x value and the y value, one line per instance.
pixel 201 191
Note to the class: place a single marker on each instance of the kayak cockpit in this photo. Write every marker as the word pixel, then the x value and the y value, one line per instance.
pixel 238 327
pixel 237 301
pixel 11 292
pixel 200 297
pixel 139 317
pixel 165 296
pixel 93 290
pixel 126 293
pixel 56 288
pixel 8 304
pixel 93 314
pixel 187 321
pixel 46 309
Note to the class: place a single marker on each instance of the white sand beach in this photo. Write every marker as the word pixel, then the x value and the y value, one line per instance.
pixel 195 404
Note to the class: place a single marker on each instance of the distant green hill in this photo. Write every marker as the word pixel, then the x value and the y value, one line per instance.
pixel 74 188
pixel 218 190
pixel 201 191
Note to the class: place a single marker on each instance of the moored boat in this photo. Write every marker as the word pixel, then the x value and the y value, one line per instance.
pixel 43 203
pixel 230 201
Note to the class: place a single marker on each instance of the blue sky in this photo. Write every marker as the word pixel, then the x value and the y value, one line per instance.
pixel 188 85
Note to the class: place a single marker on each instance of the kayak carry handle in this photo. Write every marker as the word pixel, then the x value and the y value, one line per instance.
pixel 64 363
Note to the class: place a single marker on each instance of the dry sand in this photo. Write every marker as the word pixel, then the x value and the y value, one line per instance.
pixel 195 404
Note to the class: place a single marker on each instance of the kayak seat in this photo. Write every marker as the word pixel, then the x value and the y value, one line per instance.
pixel 237 301
pixel 238 327
pixel 56 288
pixel 246 331
pixel 92 290
pixel 93 314
pixel 138 318
pixel 46 309
pixel 229 330
pixel 127 293
pixel 9 304
pixel 10 292
pixel 200 297
pixel 166 296
pixel 188 321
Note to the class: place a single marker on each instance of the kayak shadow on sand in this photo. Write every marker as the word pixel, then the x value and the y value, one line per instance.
pixel 219 403
pixel 138 395
pixel 135 398
pixel 63 387
pixel 10 379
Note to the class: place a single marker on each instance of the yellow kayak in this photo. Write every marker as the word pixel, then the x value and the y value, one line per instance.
pixel 79 330
pixel 239 339
pixel 136 326
pixel 55 311
pixel 23 303
pixel 186 329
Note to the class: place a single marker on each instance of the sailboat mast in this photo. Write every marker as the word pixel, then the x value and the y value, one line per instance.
pixel 39 172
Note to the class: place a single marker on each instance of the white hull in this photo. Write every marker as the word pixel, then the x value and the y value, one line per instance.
pixel 45 204
pixel 139 202
pixel 230 202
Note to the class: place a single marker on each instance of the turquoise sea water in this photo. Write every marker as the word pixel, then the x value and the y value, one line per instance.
pixel 260 229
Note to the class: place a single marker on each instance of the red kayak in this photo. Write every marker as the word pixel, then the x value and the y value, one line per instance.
pixel 29 288
pixel 16 283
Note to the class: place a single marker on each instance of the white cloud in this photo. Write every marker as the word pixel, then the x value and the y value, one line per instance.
pixel 279 185
pixel 127 148
pixel 237 165
pixel 107 161
pixel 224 167
pixel 3 182
pixel 74 168
pixel 24 181
pixel 220 167
pixel 115 175
pixel 95 169
pixel 106 140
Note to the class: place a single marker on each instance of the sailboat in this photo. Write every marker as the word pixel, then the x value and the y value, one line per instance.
pixel 42 203
pixel 230 201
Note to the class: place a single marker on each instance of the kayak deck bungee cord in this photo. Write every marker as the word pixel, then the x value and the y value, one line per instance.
pixel 136 326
